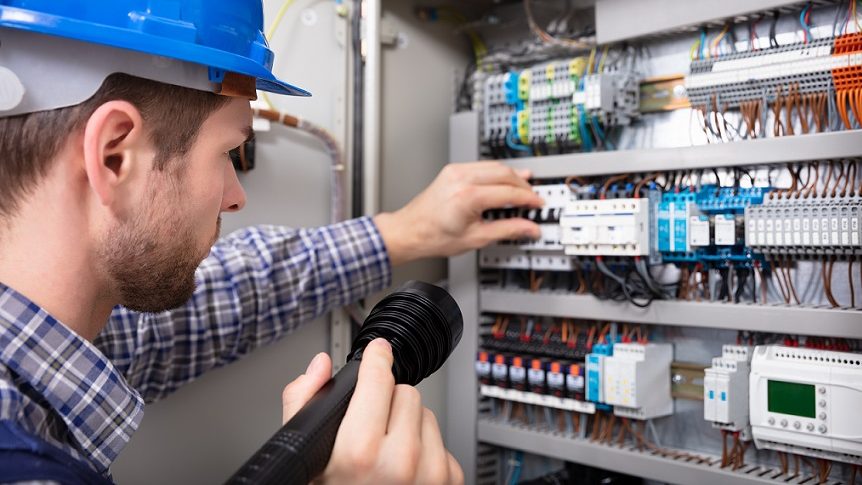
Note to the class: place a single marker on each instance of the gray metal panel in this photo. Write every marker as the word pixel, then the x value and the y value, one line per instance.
pixel 461 396
pixel 800 148
pixel 618 20
pixel 738 316
pixel 464 136
pixel 611 457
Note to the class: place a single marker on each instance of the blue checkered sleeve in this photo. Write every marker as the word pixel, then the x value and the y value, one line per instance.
pixel 257 285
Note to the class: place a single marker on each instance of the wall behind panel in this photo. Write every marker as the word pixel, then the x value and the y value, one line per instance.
pixel 205 431
pixel 418 95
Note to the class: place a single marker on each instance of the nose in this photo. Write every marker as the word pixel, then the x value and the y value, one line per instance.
pixel 233 199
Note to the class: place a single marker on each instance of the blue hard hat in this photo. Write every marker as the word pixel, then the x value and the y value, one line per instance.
pixel 223 35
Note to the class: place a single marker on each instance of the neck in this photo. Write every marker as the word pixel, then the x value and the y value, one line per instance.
pixel 45 256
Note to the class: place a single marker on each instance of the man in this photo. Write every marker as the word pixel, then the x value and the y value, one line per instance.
pixel 115 129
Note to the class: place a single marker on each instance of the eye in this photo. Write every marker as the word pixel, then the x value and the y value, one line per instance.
pixel 242 157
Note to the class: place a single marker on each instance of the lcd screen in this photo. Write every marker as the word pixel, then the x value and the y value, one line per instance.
pixel 790 398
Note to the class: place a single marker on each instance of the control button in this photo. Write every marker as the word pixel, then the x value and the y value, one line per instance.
pixel 822 403
pixel 783 423
pixel 822 428
pixel 822 390
pixel 771 420
pixel 822 416
pixel 797 424
pixel 810 427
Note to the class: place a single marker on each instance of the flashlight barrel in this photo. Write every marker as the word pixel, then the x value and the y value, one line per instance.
pixel 300 450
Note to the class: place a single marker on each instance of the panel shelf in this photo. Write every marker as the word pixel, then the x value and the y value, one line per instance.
pixel 624 460
pixel 733 316
pixel 801 148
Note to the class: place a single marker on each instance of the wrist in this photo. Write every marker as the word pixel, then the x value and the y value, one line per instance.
pixel 398 236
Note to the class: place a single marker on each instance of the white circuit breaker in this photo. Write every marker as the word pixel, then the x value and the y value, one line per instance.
pixel 807 401
pixel 725 389
pixel 610 227
pixel 636 380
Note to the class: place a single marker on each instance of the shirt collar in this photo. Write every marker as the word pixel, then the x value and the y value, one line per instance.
pixel 100 409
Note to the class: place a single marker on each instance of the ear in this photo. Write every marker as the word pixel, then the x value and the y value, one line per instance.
pixel 115 149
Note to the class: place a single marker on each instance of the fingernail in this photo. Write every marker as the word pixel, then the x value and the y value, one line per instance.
pixel 315 364
pixel 382 341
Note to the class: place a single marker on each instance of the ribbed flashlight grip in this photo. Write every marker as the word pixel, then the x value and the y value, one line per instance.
pixel 300 450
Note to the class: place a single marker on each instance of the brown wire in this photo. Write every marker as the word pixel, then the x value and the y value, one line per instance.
pixel 789 281
pixel 776 268
pixel 826 180
pixel 813 186
pixel 777 127
pixel 805 110
pixel 575 178
pixel 827 281
pixel 788 109
pixel 851 168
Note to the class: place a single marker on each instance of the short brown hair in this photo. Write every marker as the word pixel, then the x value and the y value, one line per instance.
pixel 29 142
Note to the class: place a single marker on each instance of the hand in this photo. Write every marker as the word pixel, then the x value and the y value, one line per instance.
pixel 386 435
pixel 446 218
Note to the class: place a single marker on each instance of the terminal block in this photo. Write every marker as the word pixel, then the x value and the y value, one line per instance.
pixel 725 390
pixel 609 227
pixel 831 225
pixel 614 97
pixel 636 380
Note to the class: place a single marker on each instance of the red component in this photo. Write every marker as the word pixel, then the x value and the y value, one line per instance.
pixel 555 367
pixel 483 356
pixel 536 364
pixel 574 369
pixel 517 362
pixel 499 359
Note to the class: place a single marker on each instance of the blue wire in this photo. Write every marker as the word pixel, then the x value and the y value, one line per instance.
pixel 601 133
pixel 516 475
pixel 702 43
pixel 803 24
pixel 511 143
pixel 586 141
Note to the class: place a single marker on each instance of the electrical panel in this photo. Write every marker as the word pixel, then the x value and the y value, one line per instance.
pixel 725 389
pixel 655 314
pixel 807 401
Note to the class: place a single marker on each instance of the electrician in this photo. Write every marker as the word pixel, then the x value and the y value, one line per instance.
pixel 116 120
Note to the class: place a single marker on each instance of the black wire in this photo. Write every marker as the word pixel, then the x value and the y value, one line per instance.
pixel 773 42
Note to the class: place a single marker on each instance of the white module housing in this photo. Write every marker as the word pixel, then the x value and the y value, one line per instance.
pixel 725 389
pixel 636 380
pixel 807 401
pixel 611 227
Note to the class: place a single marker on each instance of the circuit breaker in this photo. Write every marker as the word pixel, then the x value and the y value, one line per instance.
pixel 611 227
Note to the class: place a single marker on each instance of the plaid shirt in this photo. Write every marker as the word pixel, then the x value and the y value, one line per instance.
pixel 257 285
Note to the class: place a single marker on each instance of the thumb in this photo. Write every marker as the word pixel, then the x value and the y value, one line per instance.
pixel 298 392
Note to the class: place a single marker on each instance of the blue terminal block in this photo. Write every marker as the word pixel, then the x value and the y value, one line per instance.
pixel 510 87
pixel 594 368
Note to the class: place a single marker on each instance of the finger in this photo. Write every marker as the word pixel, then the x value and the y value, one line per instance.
pixel 298 392
pixel 496 196
pixel 506 229
pixel 434 463
pixel 405 416
pixel 493 173
pixel 524 173
pixel 403 445
pixel 367 415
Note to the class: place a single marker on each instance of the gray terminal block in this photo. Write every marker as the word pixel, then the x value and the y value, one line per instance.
pixel 817 226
